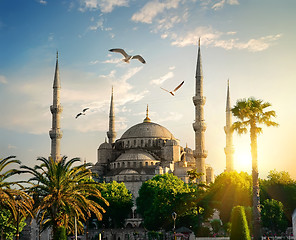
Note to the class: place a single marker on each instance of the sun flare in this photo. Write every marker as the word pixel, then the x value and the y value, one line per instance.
pixel 243 160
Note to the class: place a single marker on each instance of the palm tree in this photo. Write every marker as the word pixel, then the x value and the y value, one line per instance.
pixel 251 113
pixel 9 196
pixel 63 192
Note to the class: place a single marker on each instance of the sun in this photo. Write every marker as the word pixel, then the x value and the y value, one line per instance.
pixel 243 160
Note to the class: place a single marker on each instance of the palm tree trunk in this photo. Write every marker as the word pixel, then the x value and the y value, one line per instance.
pixel 255 196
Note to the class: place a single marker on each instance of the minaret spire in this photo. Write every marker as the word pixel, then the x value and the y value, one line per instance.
pixel 111 133
pixel 229 150
pixel 56 109
pixel 199 125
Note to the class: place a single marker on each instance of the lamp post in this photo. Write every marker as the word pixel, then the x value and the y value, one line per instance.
pixel 174 216
pixel 17 199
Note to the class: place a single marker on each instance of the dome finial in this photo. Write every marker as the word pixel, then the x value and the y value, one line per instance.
pixel 147 119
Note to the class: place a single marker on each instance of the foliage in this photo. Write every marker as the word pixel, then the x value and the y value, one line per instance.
pixel 230 189
pixel 120 203
pixel 281 187
pixel 239 225
pixel 63 192
pixel 164 194
pixel 250 114
pixel 60 234
pixel 8 226
pixel 216 225
pixel 8 194
pixel 272 216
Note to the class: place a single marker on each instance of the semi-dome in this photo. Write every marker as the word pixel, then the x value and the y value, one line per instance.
pixel 135 155
pixel 147 130
pixel 105 145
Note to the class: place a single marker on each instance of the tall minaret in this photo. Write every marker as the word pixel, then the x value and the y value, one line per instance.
pixel 111 133
pixel 199 125
pixel 56 109
pixel 229 150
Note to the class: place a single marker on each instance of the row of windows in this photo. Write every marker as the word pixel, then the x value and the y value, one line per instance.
pixel 143 143
pixel 128 178
pixel 131 164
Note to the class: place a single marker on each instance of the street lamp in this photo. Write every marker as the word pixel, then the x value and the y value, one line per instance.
pixel 174 216
pixel 17 198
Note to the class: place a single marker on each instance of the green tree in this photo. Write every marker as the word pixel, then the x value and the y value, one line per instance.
pixel 230 189
pixel 273 217
pixel 64 193
pixel 216 225
pixel 164 194
pixel 120 203
pixel 281 187
pixel 239 225
pixel 251 113
pixel 7 226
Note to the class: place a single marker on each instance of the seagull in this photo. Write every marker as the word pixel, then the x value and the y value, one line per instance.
pixel 127 57
pixel 81 113
pixel 173 92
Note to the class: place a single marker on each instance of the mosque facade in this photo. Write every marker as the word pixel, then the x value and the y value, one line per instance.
pixel 147 148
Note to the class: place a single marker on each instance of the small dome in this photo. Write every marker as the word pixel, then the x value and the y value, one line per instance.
pixel 105 145
pixel 135 155
pixel 147 130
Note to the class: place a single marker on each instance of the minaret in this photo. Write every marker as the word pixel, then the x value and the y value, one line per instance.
pixel 199 125
pixel 111 133
pixel 56 109
pixel 229 150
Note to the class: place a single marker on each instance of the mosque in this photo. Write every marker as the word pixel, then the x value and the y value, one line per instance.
pixel 147 148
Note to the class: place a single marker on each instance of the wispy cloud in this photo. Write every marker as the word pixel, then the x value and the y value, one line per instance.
pixel 162 79
pixel 11 146
pixel 105 6
pixel 220 4
pixel 43 2
pixel 3 79
pixel 212 37
pixel 152 9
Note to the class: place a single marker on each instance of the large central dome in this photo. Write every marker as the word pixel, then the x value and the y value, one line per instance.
pixel 147 130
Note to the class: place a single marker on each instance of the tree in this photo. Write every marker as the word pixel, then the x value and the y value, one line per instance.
pixel 239 225
pixel 164 194
pixel 281 187
pixel 8 194
pixel 273 216
pixel 120 203
pixel 250 114
pixel 230 189
pixel 63 193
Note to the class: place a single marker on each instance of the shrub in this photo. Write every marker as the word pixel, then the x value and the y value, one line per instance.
pixel 239 225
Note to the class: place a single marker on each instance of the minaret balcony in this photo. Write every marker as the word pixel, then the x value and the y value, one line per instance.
pixel 55 134
pixel 199 100
pixel 56 109
pixel 228 129
pixel 199 126
pixel 200 154
pixel 229 150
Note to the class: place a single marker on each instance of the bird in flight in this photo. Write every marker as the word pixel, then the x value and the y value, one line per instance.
pixel 81 113
pixel 173 92
pixel 127 57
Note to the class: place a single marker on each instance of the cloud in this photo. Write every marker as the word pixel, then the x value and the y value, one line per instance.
pixel 220 4
pixel 152 9
pixel 105 6
pixel 162 79
pixel 43 2
pixel 11 146
pixel 212 37
pixel 170 116
pixel 3 79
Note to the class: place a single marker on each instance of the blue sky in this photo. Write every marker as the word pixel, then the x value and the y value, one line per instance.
pixel 251 43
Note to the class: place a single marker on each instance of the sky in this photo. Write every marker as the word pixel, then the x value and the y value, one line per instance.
pixel 249 42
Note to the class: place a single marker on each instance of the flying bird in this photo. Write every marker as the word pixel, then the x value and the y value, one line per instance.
pixel 173 92
pixel 127 57
pixel 81 113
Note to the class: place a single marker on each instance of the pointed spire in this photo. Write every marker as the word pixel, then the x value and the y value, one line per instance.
pixel 199 73
pixel 228 98
pixel 56 82
pixel 111 133
pixel 147 119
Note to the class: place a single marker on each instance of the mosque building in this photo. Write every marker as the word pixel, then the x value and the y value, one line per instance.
pixel 147 148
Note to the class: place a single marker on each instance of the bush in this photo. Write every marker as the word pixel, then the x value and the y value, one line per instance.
pixel 239 225
pixel 60 234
